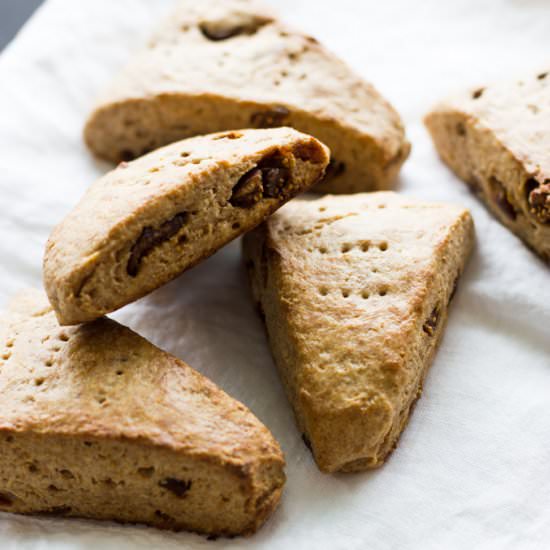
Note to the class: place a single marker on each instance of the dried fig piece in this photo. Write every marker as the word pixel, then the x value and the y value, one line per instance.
pixel 248 190
pixel 431 322
pixel 271 118
pixel 269 179
pixel 275 178
pixel 538 199
pixel 151 238
pixel 177 486
pixel 230 27
pixel 216 32
pixel 499 195
pixel 276 175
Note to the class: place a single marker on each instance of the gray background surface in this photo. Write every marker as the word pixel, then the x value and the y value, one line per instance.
pixel 13 13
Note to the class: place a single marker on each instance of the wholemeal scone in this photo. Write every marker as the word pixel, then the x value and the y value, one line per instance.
pixel 96 422
pixel 222 64
pixel 354 291
pixel 497 140
pixel 144 223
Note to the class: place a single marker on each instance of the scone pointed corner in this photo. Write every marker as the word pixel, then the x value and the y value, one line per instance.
pixel 103 416
pixel 495 139
pixel 150 219
pixel 355 291
pixel 201 73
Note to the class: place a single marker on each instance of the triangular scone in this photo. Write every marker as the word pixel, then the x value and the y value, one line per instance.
pixel 97 422
pixel 146 222
pixel 497 139
pixel 354 291
pixel 223 64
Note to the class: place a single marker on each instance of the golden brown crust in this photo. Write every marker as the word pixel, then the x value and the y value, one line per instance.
pixel 218 65
pixel 354 291
pixel 149 220
pixel 97 422
pixel 496 139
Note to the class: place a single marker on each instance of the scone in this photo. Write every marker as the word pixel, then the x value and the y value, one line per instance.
pixel 96 422
pixel 223 64
pixel 147 221
pixel 497 140
pixel 354 291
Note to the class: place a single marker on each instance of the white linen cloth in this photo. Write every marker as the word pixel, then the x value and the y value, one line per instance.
pixel 472 470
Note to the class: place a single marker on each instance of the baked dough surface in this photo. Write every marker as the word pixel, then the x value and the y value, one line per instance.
pixel 97 422
pixel 354 291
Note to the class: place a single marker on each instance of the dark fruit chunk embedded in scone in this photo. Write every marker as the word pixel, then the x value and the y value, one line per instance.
pixel 150 238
